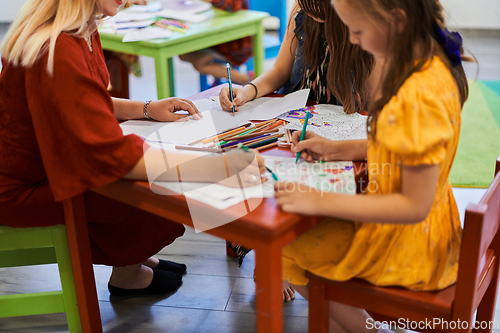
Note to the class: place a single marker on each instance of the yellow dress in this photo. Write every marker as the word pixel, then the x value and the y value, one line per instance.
pixel 420 125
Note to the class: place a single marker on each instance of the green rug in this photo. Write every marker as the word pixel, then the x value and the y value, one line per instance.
pixel 479 144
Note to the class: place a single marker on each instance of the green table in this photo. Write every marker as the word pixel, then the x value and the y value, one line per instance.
pixel 222 27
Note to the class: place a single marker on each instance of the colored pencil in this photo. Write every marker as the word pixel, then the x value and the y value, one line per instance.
pixel 220 133
pixel 303 134
pixel 210 150
pixel 257 140
pixel 276 124
pixel 267 122
pixel 224 136
pixel 273 125
pixel 204 141
pixel 271 145
pixel 241 141
pixel 263 143
pixel 230 83
pixel 251 135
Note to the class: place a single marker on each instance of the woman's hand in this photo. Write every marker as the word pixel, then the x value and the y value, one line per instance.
pixel 164 110
pixel 247 165
pixel 298 198
pixel 240 96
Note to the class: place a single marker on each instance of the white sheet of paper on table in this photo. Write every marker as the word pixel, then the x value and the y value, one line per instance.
pixel 335 176
pixel 328 177
pixel 186 6
pixel 146 34
pixel 216 195
pixel 215 120
pixel 187 17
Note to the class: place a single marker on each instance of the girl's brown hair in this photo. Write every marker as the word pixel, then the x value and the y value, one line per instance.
pixel 349 65
pixel 423 19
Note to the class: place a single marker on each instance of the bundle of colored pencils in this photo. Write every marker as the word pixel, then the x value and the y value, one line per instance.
pixel 173 25
pixel 258 136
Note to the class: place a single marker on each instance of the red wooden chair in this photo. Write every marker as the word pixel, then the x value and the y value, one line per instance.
pixel 475 289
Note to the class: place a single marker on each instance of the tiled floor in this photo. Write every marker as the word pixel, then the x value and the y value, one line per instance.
pixel 216 295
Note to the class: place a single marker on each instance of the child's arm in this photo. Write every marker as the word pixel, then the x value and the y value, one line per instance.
pixel 411 205
pixel 272 79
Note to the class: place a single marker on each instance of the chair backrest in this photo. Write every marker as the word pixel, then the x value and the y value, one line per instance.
pixel 276 8
pixel 480 250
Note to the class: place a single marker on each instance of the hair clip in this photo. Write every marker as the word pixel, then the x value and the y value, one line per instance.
pixel 452 44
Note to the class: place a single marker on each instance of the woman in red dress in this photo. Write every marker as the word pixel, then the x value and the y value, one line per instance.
pixel 60 136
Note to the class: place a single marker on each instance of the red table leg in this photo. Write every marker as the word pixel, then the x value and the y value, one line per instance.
pixel 269 300
pixel 81 260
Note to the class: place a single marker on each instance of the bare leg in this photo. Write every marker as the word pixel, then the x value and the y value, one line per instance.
pixel 344 317
pixel 131 277
pixel 151 262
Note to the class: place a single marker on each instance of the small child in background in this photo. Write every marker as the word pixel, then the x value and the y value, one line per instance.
pixel 212 61
pixel 406 230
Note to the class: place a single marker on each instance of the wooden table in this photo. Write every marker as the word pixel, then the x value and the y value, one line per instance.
pixel 223 27
pixel 265 229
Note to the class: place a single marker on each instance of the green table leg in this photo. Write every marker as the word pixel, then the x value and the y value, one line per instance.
pixel 259 49
pixel 164 77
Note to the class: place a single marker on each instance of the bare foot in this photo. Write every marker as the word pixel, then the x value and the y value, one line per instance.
pixel 151 262
pixel 288 292
pixel 131 277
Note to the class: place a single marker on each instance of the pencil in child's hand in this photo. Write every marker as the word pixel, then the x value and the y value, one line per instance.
pixel 303 134
pixel 230 83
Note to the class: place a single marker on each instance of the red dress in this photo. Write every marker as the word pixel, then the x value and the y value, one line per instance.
pixel 59 138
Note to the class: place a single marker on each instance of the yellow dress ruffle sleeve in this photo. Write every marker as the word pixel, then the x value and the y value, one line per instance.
pixel 420 125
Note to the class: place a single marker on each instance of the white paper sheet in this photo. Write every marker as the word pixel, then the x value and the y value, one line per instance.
pixel 123 26
pixel 146 34
pixel 219 196
pixel 188 17
pixel 335 176
pixel 215 120
pixel 328 177
pixel 185 6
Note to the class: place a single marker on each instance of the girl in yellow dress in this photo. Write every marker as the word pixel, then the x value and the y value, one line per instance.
pixel 406 230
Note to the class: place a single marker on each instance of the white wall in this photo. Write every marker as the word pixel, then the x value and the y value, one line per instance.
pixel 472 14
pixel 10 9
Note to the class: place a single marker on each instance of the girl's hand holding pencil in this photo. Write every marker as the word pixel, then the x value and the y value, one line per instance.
pixel 241 95
pixel 315 147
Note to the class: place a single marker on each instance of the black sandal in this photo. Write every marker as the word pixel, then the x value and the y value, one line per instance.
pixel 163 282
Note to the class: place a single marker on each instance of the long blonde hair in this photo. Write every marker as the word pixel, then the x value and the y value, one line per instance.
pixel 39 23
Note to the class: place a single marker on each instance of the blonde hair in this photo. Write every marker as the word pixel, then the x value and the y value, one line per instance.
pixel 39 23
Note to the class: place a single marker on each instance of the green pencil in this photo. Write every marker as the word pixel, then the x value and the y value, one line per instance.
pixel 245 148
pixel 303 134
